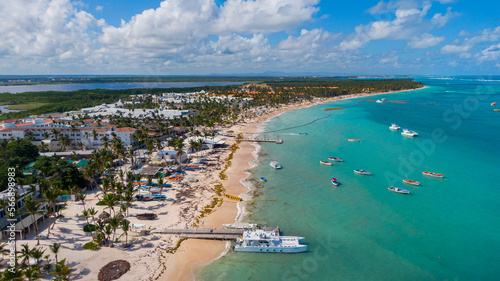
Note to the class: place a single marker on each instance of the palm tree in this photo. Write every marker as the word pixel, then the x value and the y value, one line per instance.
pixel 179 147
pixel 150 183
pixel 25 254
pixel 114 222
pixel 125 228
pixel 51 198
pixel 33 208
pixel 160 184
pixel 29 135
pixel 62 271
pixel 55 133
pixel 54 248
pixel 92 212
pixel 110 201
pixel 193 145
pixel 43 147
pixel 37 254
pixel 32 274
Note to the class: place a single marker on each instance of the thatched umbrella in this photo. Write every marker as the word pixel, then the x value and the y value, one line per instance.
pixel 104 216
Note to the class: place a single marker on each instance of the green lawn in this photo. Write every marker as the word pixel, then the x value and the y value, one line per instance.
pixel 26 106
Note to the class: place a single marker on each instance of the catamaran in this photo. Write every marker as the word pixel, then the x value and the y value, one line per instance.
pixel 431 174
pixel 269 241
pixel 275 165
pixel 398 190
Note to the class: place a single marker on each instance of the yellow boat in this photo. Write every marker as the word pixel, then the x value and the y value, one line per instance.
pixel 496 109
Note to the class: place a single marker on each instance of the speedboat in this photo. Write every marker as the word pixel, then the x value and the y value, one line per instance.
pixel 412 182
pixel 431 174
pixel 325 163
pixel 380 101
pixel 362 172
pixel 335 181
pixel 398 190
pixel 354 139
pixel 275 165
pixel 394 127
pixel 409 133
pixel 263 179
pixel 336 159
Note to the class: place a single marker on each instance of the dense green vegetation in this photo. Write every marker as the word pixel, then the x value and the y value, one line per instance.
pixel 279 91
pixel 15 154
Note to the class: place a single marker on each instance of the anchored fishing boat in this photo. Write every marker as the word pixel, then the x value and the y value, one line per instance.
pixel 353 139
pixel 336 159
pixel 263 179
pixel 326 163
pixel 362 172
pixel 412 182
pixel 335 181
pixel 275 165
pixel 398 190
pixel 431 174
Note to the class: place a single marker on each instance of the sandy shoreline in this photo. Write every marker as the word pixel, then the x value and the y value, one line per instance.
pixel 193 254
pixel 156 256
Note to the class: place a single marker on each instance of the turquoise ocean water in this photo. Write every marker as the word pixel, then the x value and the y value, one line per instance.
pixel 446 229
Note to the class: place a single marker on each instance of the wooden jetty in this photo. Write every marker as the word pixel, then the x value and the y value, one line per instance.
pixel 203 233
pixel 277 141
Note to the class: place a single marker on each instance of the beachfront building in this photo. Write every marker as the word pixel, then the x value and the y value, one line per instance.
pixel 24 222
pixel 48 130
pixel 181 100
pixel 105 110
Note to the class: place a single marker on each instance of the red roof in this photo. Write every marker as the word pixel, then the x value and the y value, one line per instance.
pixel 11 121
pixel 25 124
pixel 125 130
pixel 10 130
pixel 48 121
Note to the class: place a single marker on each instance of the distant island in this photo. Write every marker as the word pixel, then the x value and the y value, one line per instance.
pixel 82 79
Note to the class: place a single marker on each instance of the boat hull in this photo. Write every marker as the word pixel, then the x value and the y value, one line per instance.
pixel 433 175
pixel 398 190
pixel 257 249
pixel 412 182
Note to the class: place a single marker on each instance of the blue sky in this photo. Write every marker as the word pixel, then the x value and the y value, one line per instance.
pixel 200 37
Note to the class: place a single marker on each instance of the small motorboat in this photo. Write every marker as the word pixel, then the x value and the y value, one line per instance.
pixel 412 182
pixel 326 163
pixel 496 109
pixel 362 172
pixel 394 127
pixel 493 104
pixel 335 181
pixel 303 134
pixel 398 190
pixel 409 133
pixel 275 165
pixel 431 174
pixel 336 159
pixel 380 101
pixel 353 139
pixel 263 179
